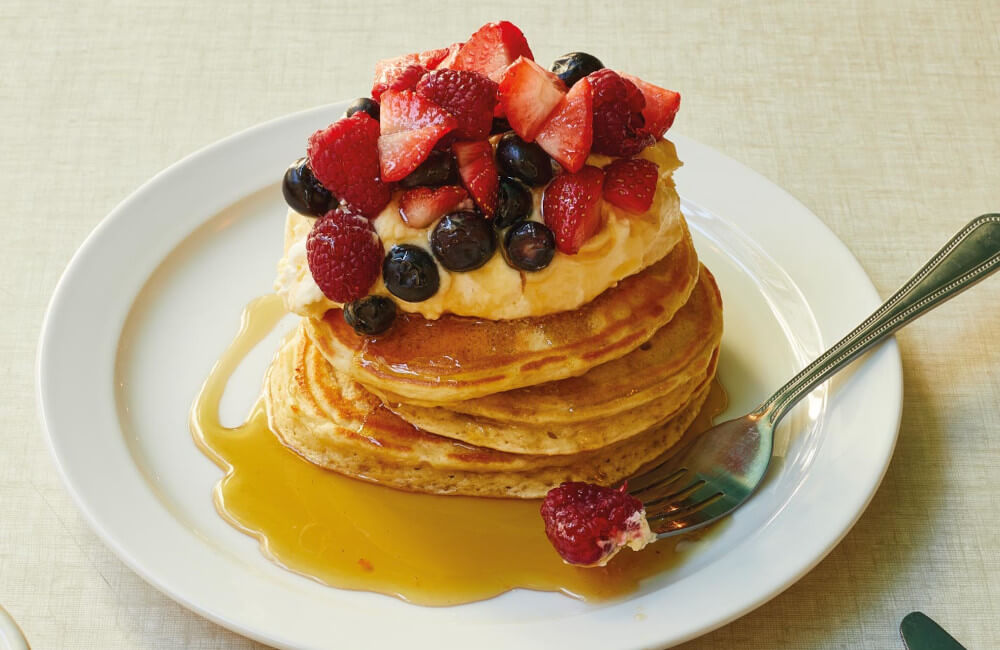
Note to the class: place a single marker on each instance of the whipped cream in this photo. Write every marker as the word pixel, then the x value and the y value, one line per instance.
pixel 626 244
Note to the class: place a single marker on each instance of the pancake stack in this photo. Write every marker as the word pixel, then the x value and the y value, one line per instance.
pixel 505 408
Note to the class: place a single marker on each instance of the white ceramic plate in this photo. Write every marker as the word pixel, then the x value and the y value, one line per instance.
pixel 154 295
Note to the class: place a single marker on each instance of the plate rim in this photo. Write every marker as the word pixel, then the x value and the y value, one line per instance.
pixel 888 356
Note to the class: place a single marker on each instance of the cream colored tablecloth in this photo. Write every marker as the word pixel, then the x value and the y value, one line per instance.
pixel 883 117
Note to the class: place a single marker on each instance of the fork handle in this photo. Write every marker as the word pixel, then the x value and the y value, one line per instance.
pixel 969 257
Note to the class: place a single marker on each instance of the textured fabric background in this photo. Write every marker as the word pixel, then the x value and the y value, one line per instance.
pixel 881 116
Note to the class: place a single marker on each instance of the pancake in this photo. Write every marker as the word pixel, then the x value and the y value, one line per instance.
pixel 677 352
pixel 558 437
pixel 457 358
pixel 330 420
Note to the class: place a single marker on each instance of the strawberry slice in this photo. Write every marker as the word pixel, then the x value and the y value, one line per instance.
pixel 403 72
pixel 661 106
pixel 468 96
pixel 529 93
pixel 478 170
pixel 344 158
pixel 411 126
pixel 571 206
pixel 630 183
pixel 422 206
pixel 568 133
pixel 449 59
pixel 492 48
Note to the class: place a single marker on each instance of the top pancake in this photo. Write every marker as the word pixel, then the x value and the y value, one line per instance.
pixel 456 358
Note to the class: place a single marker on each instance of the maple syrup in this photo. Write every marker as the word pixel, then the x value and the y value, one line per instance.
pixel 351 534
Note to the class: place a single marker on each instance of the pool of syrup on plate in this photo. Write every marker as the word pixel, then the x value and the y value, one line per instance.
pixel 351 534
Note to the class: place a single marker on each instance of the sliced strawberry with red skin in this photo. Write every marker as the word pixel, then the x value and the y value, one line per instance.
pixel 422 206
pixel 618 121
pixel 449 59
pixel 344 158
pixel 403 72
pixel 468 96
pixel 411 126
pixel 344 255
pixel 568 133
pixel 630 183
pixel 492 48
pixel 588 523
pixel 661 106
pixel 431 59
pixel 478 169
pixel 571 206
pixel 529 93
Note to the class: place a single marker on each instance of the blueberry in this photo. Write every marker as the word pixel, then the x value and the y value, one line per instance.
pixel 304 193
pixel 366 104
pixel 439 169
pixel 524 160
pixel 515 204
pixel 500 125
pixel 410 273
pixel 529 246
pixel 370 315
pixel 463 241
pixel 575 66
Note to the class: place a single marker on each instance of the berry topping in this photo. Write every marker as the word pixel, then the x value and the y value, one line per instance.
pixel 479 173
pixel 409 273
pixel 588 524
pixel 411 126
pixel 575 66
pixel 630 183
pixel 449 58
pixel 438 169
pixel 343 252
pixel 491 49
pixel 363 104
pixel 304 193
pixel 661 106
pixel 528 95
pixel 500 125
pixel 422 206
pixel 515 203
pixel 370 315
pixel 524 160
pixel 618 121
pixel 468 96
pixel 568 133
pixel 463 241
pixel 344 157
pixel 403 72
pixel 529 246
pixel 571 207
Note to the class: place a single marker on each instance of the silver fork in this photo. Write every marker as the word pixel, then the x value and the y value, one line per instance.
pixel 723 466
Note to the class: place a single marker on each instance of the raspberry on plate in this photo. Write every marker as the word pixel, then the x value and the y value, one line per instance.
pixel 468 96
pixel 568 133
pixel 411 126
pixel 661 106
pixel 478 170
pixel 630 183
pixel 588 524
pixel 344 255
pixel 344 157
pixel 528 94
pixel 491 49
pixel 618 121
pixel 571 207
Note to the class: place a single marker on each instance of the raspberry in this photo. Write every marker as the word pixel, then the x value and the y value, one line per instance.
pixel 345 255
pixel 587 523
pixel 344 157
pixel 469 96
pixel 630 183
pixel 618 121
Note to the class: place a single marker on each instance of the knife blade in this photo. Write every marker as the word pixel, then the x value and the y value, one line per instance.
pixel 919 632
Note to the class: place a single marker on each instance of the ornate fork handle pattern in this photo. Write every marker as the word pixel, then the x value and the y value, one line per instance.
pixel 967 258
